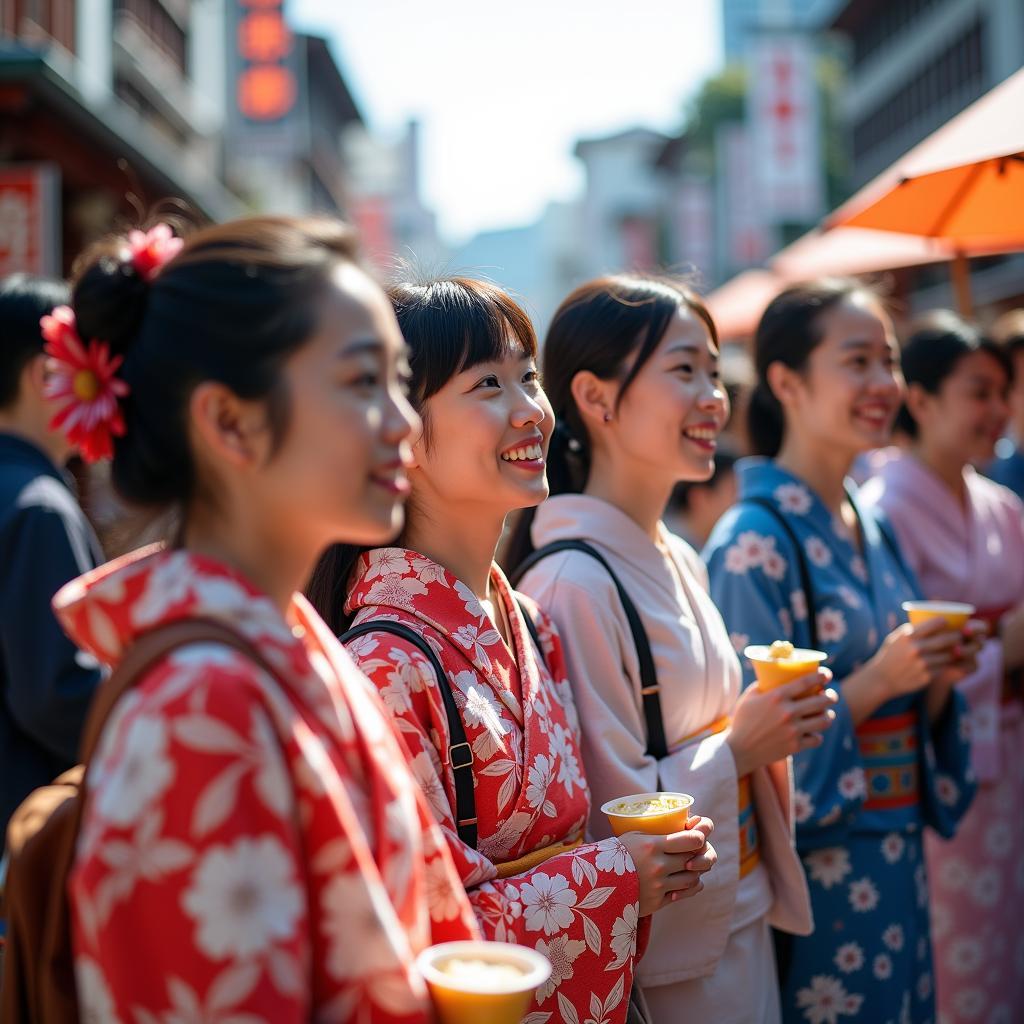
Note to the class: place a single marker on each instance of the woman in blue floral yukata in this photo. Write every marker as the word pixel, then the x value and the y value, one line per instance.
pixel 798 559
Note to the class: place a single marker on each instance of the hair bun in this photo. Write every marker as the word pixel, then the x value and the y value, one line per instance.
pixel 109 295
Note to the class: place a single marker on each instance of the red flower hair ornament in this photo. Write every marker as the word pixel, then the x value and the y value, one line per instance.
pixel 83 377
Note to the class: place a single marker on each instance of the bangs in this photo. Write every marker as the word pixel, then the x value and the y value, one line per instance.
pixel 455 324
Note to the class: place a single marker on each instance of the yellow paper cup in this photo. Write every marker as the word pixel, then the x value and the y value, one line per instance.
pixel 475 981
pixel 955 613
pixel 772 672
pixel 655 822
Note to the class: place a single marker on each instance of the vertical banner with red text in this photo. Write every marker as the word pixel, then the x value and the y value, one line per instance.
pixel 783 115
pixel 30 219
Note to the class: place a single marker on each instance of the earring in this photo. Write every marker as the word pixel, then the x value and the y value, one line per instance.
pixel 607 417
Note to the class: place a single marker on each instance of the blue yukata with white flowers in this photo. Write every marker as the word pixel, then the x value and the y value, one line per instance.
pixel 863 797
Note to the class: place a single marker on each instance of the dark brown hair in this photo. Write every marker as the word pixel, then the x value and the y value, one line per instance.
pixel 450 324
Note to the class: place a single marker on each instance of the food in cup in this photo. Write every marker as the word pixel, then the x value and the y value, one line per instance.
pixel 478 981
pixel 956 613
pixel 657 814
pixel 779 662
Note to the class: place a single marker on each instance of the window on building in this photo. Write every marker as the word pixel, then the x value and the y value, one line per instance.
pixel 160 26
pixel 943 87
pixel 36 21
pixel 886 23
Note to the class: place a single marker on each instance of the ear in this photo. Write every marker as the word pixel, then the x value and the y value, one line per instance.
pixel 917 401
pixel 34 376
pixel 594 398
pixel 785 382
pixel 232 429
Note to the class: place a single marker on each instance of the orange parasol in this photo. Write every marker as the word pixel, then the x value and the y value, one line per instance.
pixel 737 305
pixel 964 184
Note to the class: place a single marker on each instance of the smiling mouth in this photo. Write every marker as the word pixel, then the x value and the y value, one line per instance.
pixel 524 453
pixel 706 437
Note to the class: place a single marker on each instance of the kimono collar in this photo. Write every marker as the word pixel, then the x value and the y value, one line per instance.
pixel 763 478
pixel 105 610
pixel 906 479
pixel 398 579
pixel 592 519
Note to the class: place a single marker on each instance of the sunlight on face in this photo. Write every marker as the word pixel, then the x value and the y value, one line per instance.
pixel 671 415
pixel 489 428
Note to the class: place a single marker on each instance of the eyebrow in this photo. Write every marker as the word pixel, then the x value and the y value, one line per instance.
pixel 684 347
pixel 856 343
pixel 358 346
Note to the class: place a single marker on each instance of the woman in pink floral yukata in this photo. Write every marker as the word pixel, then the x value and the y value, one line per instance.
pixel 254 846
pixel 505 715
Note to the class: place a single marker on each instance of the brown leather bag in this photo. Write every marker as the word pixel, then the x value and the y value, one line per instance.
pixel 38 970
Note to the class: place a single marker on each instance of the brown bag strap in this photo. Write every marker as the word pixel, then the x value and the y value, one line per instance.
pixel 145 652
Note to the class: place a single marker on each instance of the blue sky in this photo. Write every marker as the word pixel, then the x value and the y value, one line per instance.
pixel 504 89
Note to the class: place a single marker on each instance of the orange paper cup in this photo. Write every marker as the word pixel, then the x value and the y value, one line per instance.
pixel 653 823
pixel 955 613
pixel 466 988
pixel 772 672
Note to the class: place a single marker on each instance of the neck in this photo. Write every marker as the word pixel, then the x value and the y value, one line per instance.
pixel 633 490
pixel 243 547
pixel 950 470
pixel 823 468
pixel 462 537
pixel 53 445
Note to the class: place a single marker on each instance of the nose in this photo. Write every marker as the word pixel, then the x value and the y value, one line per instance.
pixel 400 420
pixel 713 398
pixel 529 410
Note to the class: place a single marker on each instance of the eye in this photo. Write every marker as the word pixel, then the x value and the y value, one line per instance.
pixel 490 381
pixel 683 368
pixel 532 376
pixel 366 380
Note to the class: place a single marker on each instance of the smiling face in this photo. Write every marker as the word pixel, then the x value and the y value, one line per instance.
pixel 487 437
pixel 670 416
pixel 849 393
pixel 968 414
pixel 339 471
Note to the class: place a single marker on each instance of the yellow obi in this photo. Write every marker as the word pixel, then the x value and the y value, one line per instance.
pixel 535 858
pixel 750 849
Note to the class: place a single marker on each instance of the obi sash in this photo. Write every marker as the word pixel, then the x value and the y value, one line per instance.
pixel 534 858
pixel 750 848
pixel 888 751
pixel 1013 681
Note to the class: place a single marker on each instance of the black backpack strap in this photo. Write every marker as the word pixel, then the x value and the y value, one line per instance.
pixel 531 627
pixel 801 561
pixel 649 689
pixel 459 754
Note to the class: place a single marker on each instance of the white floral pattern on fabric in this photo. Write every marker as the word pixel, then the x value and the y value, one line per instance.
pixel 520 721
pixel 232 839
pixel 826 1000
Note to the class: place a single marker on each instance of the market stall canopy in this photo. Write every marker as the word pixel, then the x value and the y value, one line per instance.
pixel 963 184
pixel 737 305
pixel 843 251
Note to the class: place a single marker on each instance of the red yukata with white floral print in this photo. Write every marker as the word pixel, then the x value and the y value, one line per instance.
pixel 253 849
pixel 579 908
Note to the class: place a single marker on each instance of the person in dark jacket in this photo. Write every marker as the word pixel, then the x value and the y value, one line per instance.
pixel 45 540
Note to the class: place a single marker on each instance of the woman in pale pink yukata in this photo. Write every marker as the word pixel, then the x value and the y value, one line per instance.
pixel 631 367
pixel 963 536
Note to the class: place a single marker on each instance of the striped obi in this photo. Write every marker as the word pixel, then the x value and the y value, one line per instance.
pixel 888 751
pixel 750 849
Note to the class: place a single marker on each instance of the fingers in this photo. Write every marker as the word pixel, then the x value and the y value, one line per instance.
pixel 697 823
pixel 810 740
pixel 796 688
pixel 704 861
pixel 681 894
pixel 814 704
pixel 689 841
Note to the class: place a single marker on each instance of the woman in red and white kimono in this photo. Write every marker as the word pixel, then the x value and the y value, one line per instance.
pixel 254 847
pixel 520 851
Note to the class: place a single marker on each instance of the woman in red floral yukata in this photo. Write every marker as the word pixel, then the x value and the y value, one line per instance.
pixel 517 836
pixel 254 846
